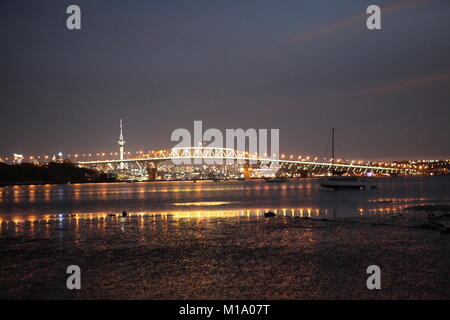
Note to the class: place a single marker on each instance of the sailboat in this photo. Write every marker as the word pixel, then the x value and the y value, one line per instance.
pixel 338 182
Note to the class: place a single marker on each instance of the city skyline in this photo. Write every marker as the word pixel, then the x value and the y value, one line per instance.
pixel 301 68
pixel 122 154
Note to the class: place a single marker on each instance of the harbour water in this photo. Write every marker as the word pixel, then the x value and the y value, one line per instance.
pixel 210 240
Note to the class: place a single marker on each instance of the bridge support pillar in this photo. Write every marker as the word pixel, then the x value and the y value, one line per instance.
pixel 247 173
pixel 304 173
pixel 246 170
pixel 152 169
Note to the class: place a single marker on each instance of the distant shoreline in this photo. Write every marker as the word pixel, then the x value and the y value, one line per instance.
pixel 51 173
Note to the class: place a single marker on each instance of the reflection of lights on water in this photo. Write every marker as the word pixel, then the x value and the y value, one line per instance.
pixel 397 200
pixel 211 203
pixel 175 215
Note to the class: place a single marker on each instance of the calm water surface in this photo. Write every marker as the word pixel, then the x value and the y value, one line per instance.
pixel 209 240
pixel 205 198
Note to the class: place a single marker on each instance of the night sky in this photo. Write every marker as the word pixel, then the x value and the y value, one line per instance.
pixel 300 66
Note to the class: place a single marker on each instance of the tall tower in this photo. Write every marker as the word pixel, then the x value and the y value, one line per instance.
pixel 121 143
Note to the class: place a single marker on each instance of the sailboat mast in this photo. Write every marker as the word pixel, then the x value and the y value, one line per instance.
pixel 332 145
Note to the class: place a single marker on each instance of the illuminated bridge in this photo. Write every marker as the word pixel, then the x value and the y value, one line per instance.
pixel 246 161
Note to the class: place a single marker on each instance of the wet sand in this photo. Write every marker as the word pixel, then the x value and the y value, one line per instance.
pixel 238 257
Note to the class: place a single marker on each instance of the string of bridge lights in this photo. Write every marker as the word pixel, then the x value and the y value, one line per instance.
pixel 416 164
